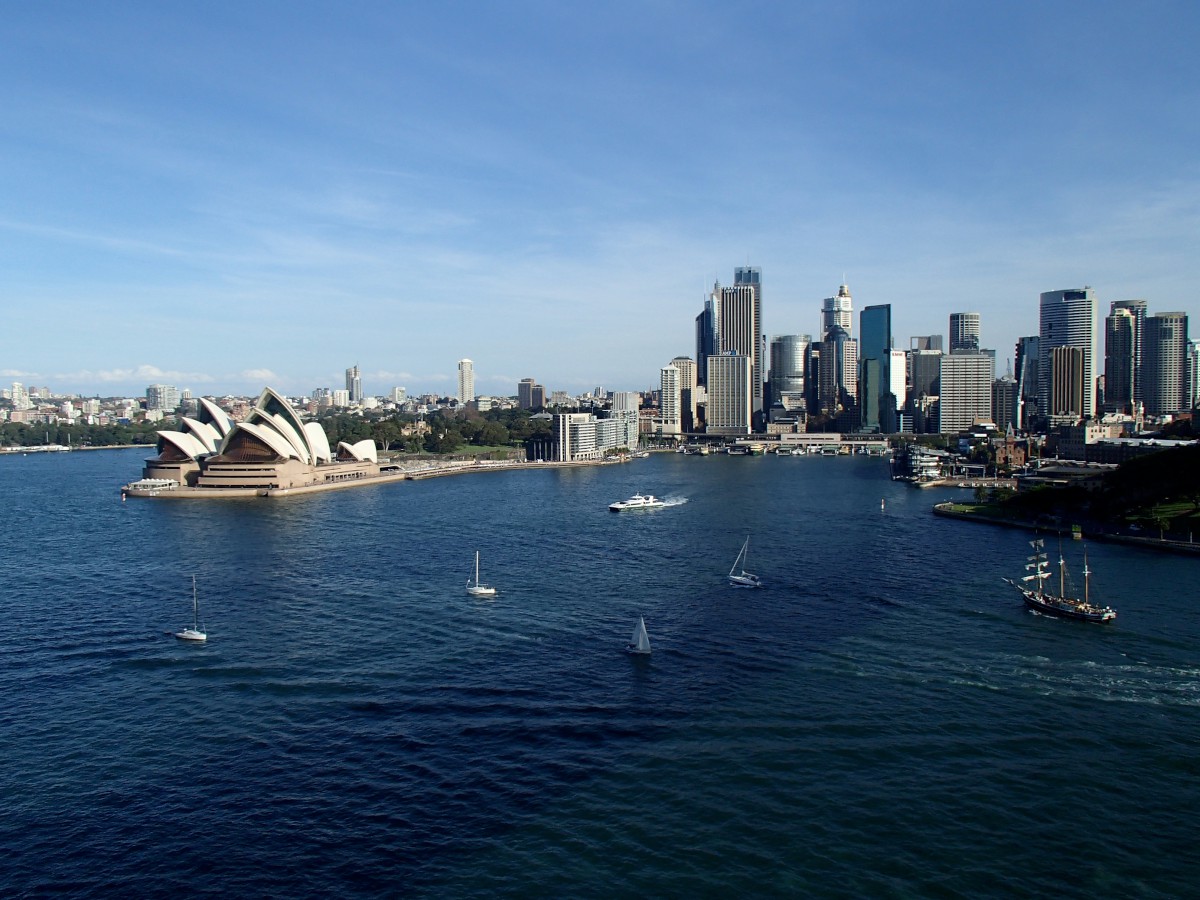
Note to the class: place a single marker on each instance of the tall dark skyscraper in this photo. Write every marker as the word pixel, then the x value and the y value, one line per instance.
pixel 707 342
pixel 874 378
pixel 1120 360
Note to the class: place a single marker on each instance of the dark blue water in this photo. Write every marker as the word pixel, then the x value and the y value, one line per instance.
pixel 884 719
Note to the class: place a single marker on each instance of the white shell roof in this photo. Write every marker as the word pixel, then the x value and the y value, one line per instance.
pixel 188 443
pixel 270 437
pixel 205 433
pixel 319 441
pixel 363 451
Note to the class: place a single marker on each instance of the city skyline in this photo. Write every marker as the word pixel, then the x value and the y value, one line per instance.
pixel 408 187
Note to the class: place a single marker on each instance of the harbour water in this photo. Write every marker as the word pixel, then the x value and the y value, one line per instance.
pixel 884 718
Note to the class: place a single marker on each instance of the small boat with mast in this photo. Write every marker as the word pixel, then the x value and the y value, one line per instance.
pixel 196 632
pixel 476 588
pixel 738 576
pixel 1033 589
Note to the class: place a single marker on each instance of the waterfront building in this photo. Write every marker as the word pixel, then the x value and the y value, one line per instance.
pixel 162 396
pixel 670 402
pixel 1068 319
pixel 1121 345
pixel 964 332
pixel 271 449
pixel 625 410
pixel 1164 363
pixel 730 397
pixel 837 312
pixel 466 381
pixel 354 385
pixel 965 391
pixel 739 329
pixel 583 436
pixel 707 342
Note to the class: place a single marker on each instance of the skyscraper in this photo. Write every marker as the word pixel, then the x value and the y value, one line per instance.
pixel 837 311
pixel 707 343
pixel 466 381
pixel 877 410
pixel 1068 319
pixel 964 332
pixel 788 354
pixel 1026 375
pixel 1120 360
pixel 1138 310
pixel 739 329
pixel 1164 363
pixel 965 386
pixel 1068 390
pixel 525 393
pixel 730 405
pixel 670 402
pixel 687 391
pixel 354 384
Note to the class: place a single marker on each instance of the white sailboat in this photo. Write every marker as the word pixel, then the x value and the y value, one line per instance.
pixel 195 633
pixel 639 644
pixel 475 588
pixel 738 576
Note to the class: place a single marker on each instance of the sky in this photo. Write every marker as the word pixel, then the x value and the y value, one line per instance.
pixel 227 195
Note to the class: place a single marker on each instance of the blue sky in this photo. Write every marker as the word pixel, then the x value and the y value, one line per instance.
pixel 228 195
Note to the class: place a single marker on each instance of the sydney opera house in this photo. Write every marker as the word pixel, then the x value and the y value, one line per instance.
pixel 272 450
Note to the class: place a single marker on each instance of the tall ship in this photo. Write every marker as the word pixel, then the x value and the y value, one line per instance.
pixel 1033 589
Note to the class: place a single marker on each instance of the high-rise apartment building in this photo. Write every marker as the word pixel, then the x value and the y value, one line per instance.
pixel 837 311
pixel 466 381
pixel 739 328
pixel 670 402
pixel 964 332
pixel 162 396
pixel 730 397
pixel 1164 363
pixel 20 397
pixel 354 384
pixel 1068 319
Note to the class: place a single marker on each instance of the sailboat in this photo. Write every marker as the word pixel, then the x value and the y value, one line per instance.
pixel 195 633
pixel 738 576
pixel 1061 604
pixel 639 644
pixel 475 588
